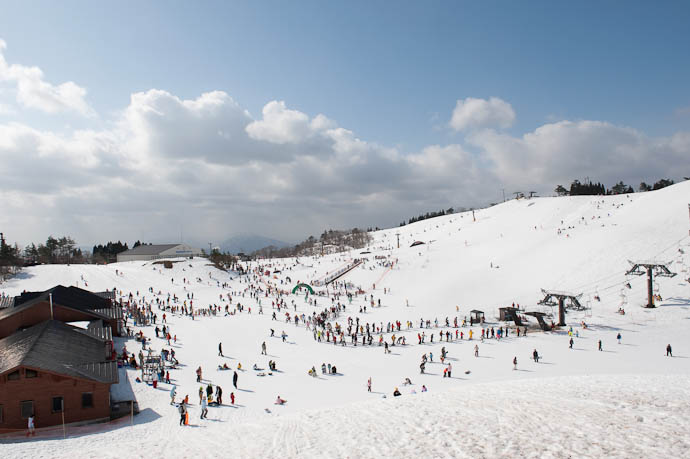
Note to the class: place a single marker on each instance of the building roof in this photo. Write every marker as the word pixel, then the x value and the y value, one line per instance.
pixel 69 297
pixel 149 249
pixel 58 348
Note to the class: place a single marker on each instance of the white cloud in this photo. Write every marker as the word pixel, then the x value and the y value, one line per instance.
pixel 32 91
pixel 474 113
pixel 557 153
pixel 281 125
pixel 206 166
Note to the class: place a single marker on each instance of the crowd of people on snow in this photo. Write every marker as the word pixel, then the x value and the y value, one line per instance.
pixel 328 323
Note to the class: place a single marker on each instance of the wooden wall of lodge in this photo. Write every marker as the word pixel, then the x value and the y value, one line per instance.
pixel 41 390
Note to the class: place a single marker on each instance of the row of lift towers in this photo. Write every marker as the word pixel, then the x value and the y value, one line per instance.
pixel 566 300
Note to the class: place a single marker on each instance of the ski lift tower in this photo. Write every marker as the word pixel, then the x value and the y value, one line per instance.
pixel 553 298
pixel 652 268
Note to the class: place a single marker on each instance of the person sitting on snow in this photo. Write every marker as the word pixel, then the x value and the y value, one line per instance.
pixel 280 401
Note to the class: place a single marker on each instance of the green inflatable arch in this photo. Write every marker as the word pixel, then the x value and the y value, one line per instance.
pixel 311 290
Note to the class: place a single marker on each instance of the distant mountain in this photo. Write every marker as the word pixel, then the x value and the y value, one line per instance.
pixel 248 243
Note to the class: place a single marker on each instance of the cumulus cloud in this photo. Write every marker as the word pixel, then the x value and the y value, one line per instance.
pixel 205 167
pixel 566 150
pixel 474 113
pixel 281 125
pixel 33 91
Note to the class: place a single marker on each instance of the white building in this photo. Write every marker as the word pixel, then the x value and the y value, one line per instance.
pixel 155 252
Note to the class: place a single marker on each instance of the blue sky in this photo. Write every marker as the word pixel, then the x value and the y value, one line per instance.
pixel 363 62
pixel 390 72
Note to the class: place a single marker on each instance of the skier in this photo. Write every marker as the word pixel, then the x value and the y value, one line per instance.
pixel 669 352
pixel 234 379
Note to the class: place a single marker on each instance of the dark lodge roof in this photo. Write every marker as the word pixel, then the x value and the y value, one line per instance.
pixel 58 348
pixel 70 297
pixel 67 296
pixel 149 249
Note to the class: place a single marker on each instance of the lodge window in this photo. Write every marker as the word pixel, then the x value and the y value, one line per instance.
pixel 13 376
pixel 27 408
pixel 57 404
pixel 31 373
pixel 87 400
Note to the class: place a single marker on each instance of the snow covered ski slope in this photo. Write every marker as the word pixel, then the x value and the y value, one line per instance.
pixel 627 400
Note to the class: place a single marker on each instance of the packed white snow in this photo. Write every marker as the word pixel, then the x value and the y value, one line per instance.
pixel 627 400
